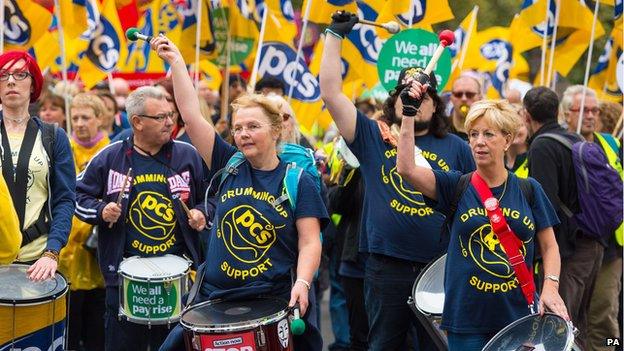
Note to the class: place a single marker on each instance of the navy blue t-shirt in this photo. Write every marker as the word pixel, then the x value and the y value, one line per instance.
pixel 253 245
pixel 151 226
pixel 482 291
pixel 396 220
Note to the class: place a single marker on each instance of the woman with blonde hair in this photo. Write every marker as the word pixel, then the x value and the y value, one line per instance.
pixel 292 231
pixel 476 260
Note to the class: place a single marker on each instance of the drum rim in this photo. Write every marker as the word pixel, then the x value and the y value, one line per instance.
pixel 417 281
pixel 160 279
pixel 232 327
pixel 569 338
pixel 148 321
pixel 38 300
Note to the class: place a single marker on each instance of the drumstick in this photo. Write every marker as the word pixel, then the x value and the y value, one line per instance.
pixel 618 125
pixel 186 209
pixel 123 189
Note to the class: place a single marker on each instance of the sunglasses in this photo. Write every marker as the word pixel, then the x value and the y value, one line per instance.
pixel 468 94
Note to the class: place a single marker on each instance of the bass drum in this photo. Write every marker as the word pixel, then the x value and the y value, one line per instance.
pixel 427 300
pixel 534 332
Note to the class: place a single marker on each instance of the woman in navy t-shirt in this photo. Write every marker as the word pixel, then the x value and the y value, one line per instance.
pixel 482 292
pixel 256 247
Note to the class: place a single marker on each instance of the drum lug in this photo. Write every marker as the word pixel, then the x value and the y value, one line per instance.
pixel 196 342
pixel 261 338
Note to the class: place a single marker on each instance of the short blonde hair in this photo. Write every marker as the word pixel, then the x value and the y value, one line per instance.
pixel 497 113
pixel 270 108
pixel 91 101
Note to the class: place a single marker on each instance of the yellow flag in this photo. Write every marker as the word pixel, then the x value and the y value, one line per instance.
pixel 322 10
pixel 417 13
pixel 464 39
pixel 211 73
pixel 73 17
pixel 25 22
pixel 46 50
pixel 187 39
pixel 604 78
pixel 106 48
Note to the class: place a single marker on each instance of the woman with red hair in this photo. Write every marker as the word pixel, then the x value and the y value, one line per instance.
pixel 37 166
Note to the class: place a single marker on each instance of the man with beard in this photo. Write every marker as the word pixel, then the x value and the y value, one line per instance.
pixel 465 92
pixel 399 232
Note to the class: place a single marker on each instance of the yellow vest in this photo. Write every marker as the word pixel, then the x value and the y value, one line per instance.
pixel 523 170
pixel 614 161
pixel 79 265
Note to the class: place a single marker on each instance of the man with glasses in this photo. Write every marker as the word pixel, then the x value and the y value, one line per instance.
pixel 152 217
pixel 465 92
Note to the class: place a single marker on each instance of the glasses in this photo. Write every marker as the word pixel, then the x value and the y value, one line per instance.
pixel 468 94
pixel 20 75
pixel 487 135
pixel 161 117
pixel 250 128
pixel 586 110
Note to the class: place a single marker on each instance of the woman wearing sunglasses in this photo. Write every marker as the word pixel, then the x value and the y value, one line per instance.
pixel 482 289
pixel 37 166
pixel 290 246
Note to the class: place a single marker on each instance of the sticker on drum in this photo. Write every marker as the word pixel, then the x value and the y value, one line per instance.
pixel 32 314
pixel 152 288
pixel 254 325
pixel 534 332
pixel 428 291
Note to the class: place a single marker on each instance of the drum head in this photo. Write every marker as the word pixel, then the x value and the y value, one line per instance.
pixel 17 288
pixel 167 266
pixel 234 315
pixel 542 333
pixel 429 288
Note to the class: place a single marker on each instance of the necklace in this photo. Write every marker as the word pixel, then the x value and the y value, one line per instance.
pixel 17 121
pixel 504 189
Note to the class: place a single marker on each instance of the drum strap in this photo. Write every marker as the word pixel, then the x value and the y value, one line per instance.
pixel 506 236
pixel 199 277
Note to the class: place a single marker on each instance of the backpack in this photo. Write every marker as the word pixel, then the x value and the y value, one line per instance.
pixel 299 160
pixel 599 188
pixel 462 185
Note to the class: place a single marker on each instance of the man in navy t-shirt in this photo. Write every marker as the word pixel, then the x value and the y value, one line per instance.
pixel 400 232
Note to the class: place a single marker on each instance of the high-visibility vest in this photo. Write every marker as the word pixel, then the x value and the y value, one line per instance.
pixel 523 170
pixel 614 161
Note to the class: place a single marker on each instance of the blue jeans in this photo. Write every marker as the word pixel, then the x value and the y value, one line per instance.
pixel 388 283
pixel 467 342
pixel 121 335
pixel 338 306
pixel 311 340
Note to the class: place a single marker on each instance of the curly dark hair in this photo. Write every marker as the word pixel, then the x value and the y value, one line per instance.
pixel 440 124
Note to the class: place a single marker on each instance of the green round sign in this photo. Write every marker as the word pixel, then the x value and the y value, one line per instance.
pixel 411 48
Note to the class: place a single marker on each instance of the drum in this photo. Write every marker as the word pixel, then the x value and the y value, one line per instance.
pixel 260 324
pixel 534 332
pixel 151 288
pixel 32 314
pixel 427 300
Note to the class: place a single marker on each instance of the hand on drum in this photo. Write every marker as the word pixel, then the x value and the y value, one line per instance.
pixel 42 269
pixel 111 212
pixel 551 300
pixel 197 220
pixel 299 293
pixel 166 49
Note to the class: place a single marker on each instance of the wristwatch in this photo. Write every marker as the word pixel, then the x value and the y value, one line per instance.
pixel 554 278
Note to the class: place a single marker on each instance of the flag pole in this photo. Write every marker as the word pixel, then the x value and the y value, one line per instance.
pixel 254 70
pixel 553 42
pixel 587 65
pixel 411 19
pixel 544 46
pixel 57 13
pixel 304 28
pixel 1 26
pixel 464 49
pixel 225 85
pixel 198 22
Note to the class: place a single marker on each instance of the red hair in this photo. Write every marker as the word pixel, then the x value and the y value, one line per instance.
pixel 12 57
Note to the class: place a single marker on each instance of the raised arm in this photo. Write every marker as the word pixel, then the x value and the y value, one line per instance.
pixel 421 178
pixel 342 110
pixel 201 132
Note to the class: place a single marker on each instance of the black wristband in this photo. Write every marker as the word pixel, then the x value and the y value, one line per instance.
pixel 409 111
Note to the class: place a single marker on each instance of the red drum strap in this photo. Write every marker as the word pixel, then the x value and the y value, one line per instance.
pixel 506 236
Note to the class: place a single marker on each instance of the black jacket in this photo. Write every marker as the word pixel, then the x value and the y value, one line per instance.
pixel 550 163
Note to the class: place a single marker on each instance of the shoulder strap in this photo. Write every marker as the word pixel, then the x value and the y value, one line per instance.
pixel 291 186
pixel 527 190
pixel 48 138
pixel 558 137
pixel 462 185
pixel 508 239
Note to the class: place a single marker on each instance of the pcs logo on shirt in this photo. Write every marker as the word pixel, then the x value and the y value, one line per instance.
pixel 246 233
pixel 487 252
pixel 152 215
pixel 404 189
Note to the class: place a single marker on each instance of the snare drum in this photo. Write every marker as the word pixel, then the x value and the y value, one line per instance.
pixel 427 300
pixel 32 314
pixel 534 332
pixel 257 325
pixel 151 288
